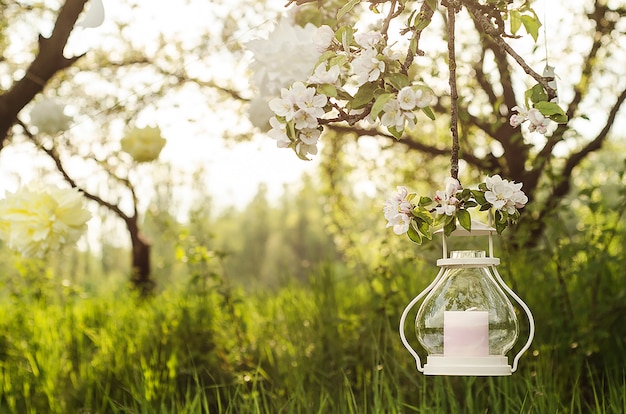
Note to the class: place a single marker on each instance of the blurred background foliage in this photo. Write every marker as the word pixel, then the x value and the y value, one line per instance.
pixel 260 310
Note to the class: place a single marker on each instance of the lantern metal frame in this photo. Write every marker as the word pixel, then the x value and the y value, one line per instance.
pixel 493 365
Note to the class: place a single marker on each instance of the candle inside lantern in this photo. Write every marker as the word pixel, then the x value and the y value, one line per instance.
pixel 465 333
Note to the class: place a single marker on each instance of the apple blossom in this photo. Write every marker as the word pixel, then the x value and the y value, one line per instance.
pixel 397 210
pixel 447 202
pixel 367 67
pixel 503 194
pixel 368 40
pixel 279 133
pixel 538 122
pixel 323 37
pixel 322 75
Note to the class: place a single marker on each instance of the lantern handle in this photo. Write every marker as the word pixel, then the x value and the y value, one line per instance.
pixel 405 313
pixel 529 315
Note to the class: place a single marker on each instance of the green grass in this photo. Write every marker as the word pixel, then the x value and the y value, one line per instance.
pixel 329 346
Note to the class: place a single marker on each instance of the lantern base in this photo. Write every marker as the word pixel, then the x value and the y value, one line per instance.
pixel 471 366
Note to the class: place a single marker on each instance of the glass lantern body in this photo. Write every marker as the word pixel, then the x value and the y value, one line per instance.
pixel 466 321
pixel 467 314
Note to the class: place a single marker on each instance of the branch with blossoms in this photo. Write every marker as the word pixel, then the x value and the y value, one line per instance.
pixel 308 77
pixel 418 216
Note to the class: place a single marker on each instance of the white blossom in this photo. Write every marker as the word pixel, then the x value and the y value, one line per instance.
pixel 368 40
pixel 279 133
pixel 406 98
pixel 447 202
pixel 367 67
pixel 309 136
pixel 49 117
pixel 424 97
pixel 321 75
pixel 397 210
pixel 504 194
pixel 538 122
pixel 259 113
pixel 323 37
pixel 394 117
pixel 305 149
pixel 287 55
pixel 37 219
pixel 143 144
pixel 521 116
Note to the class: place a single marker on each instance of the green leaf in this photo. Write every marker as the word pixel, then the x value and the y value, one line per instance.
pixel 346 8
pixel 465 220
pixel 423 216
pixel 379 103
pixel 329 54
pixel 393 131
pixel 479 196
pixel 432 4
pixel 345 36
pixel 327 89
pixel 536 94
pixel 516 21
pixel 398 80
pixel 450 226
pixel 532 25
pixel 424 229
pixel 364 95
pixel 425 201
pixel 552 110
pixel 429 112
pixel 414 235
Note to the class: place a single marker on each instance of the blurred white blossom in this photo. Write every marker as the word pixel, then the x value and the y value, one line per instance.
pixel 143 144
pixel 289 54
pixel 35 219
pixel 49 117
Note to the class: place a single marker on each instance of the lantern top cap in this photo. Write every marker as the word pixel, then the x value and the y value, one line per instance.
pixel 478 229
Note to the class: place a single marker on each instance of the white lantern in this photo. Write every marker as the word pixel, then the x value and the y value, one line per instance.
pixel 467 323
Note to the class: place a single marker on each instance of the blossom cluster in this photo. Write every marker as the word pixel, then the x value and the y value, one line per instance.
pixel 287 55
pixel 537 121
pixel 296 122
pixel 35 219
pixel 143 144
pixel 407 213
pixel 354 74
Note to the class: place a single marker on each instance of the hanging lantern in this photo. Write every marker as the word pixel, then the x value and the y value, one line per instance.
pixel 467 323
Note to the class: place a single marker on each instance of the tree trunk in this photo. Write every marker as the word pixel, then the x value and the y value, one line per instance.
pixel 140 277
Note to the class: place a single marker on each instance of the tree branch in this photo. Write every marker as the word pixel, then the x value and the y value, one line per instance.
pixel 47 63
pixel 409 142
pixel 54 155
pixel 454 96
pixel 476 12
pixel 561 189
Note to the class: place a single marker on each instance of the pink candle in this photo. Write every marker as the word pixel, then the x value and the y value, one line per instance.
pixel 465 333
